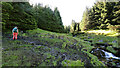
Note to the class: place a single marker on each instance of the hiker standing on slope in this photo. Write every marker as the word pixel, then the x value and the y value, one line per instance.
pixel 15 32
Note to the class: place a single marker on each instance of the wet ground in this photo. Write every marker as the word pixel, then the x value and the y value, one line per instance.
pixel 39 52
pixel 107 51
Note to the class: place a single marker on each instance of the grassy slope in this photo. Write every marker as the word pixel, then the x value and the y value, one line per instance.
pixel 102 36
pixel 44 48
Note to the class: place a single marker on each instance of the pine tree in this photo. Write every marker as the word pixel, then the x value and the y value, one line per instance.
pixel 72 26
pixel 85 20
pixel 17 14
pixel 116 19
pixel 101 15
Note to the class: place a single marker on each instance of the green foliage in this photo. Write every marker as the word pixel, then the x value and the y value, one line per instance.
pixel 115 27
pixel 31 17
pixel 64 45
pixel 103 26
pixel 94 60
pixel 48 19
pixel 63 50
pixel 111 49
pixel 74 27
pixel 67 29
pixel 72 63
pixel 100 15
pixel 6 9
pixel 18 16
pixel 85 21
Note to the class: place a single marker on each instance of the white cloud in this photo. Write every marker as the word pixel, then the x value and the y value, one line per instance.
pixel 69 9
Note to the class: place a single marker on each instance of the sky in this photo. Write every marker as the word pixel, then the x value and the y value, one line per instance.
pixel 69 9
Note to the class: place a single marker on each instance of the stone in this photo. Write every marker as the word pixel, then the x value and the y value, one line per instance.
pixel 114 41
pixel 89 37
pixel 101 40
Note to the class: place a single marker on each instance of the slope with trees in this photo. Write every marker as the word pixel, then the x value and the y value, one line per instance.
pixel 101 15
pixel 28 17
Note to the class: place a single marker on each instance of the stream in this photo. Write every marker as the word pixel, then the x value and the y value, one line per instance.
pixel 106 57
pixel 110 55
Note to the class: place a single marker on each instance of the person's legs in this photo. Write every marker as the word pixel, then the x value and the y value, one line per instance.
pixel 16 36
pixel 13 36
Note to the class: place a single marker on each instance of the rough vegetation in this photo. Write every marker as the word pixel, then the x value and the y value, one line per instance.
pixel 43 48
pixel 107 41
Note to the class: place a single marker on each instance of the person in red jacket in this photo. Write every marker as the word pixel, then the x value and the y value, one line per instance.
pixel 15 32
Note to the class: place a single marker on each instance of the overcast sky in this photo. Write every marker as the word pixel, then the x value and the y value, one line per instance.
pixel 69 9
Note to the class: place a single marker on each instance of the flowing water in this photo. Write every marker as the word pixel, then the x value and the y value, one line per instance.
pixel 110 55
pixel 106 57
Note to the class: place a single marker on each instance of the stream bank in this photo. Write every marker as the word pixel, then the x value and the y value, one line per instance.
pixel 106 48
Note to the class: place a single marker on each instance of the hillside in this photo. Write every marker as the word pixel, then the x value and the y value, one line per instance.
pixel 43 48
